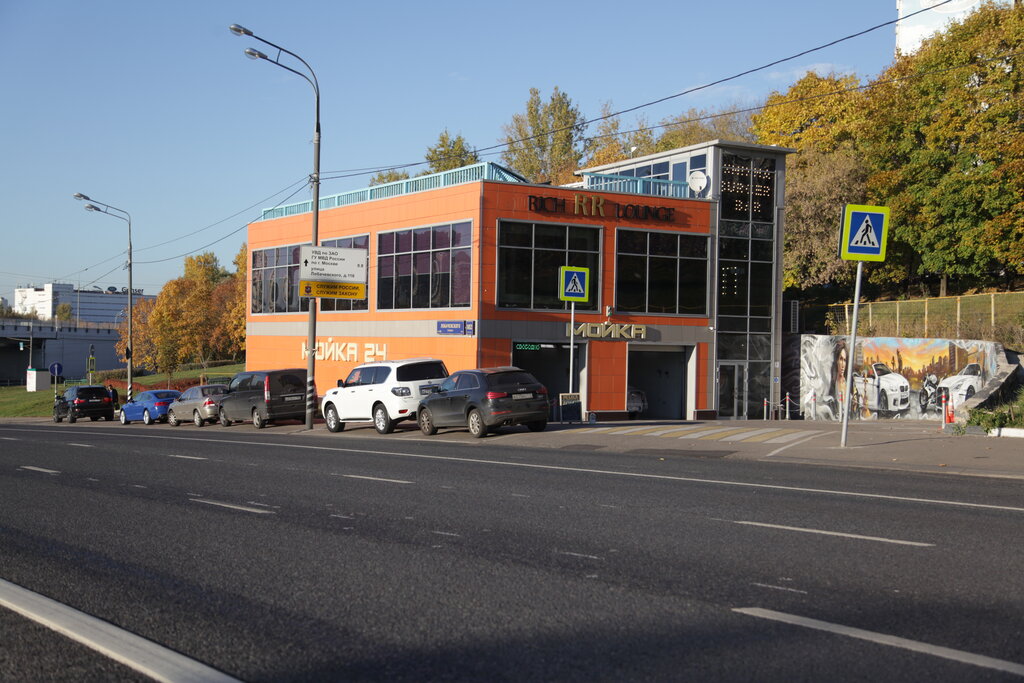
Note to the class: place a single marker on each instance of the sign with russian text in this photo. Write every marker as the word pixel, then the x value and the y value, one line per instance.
pixel 332 290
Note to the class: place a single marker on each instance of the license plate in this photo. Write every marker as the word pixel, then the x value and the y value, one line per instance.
pixel 520 397
pixel 293 398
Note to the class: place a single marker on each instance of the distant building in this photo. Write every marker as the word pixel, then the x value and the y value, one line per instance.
pixel 913 31
pixel 87 305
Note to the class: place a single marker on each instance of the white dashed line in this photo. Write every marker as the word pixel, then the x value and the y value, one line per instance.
pixel 389 481
pixel 858 537
pixel 39 469
pixel 232 506
pixel 186 457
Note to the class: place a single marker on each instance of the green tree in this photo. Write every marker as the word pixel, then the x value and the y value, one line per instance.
pixel 701 125
pixel 449 152
pixel 64 312
pixel 545 143
pixel 610 143
pixel 945 130
pixel 389 176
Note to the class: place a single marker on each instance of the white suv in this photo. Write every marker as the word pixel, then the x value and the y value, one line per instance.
pixel 385 393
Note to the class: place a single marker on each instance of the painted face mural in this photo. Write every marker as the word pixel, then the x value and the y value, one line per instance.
pixel 892 377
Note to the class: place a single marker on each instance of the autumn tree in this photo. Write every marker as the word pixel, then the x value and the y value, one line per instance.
pixel 700 125
pixel 816 112
pixel 389 176
pixel 545 143
pixel 229 304
pixel 944 130
pixel 449 152
pixel 609 143
pixel 63 312
pixel 142 343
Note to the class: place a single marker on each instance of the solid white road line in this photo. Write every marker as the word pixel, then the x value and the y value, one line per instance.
pixel 389 481
pixel 785 438
pixel 186 457
pixel 243 508
pixel 82 445
pixel 135 652
pixel 884 639
pixel 779 588
pixel 585 557
pixel 38 469
pixel 832 533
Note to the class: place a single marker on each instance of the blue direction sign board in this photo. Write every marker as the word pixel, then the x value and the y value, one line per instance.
pixel 865 232
pixel 573 283
pixel 56 369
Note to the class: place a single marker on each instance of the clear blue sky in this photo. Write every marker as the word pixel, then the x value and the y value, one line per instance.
pixel 153 108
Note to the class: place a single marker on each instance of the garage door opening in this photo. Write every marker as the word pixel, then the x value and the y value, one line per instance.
pixel 661 374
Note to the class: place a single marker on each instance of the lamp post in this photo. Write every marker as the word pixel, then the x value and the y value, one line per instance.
pixel 314 180
pixel 94 205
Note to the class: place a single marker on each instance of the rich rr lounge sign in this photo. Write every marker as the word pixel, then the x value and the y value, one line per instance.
pixel 594 205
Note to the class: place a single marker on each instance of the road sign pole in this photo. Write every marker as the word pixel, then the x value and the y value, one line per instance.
pixel 851 356
pixel 572 339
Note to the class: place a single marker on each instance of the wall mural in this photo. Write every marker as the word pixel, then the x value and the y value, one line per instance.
pixel 893 377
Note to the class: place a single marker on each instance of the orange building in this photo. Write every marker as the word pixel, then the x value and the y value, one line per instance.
pixel 464 266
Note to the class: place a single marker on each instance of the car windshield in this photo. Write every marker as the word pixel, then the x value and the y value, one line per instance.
pixel 165 394
pixel 972 369
pixel 213 391
pixel 287 383
pixel 881 369
pixel 501 379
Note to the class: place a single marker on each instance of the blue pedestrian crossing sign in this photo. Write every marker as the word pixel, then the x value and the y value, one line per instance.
pixel 864 234
pixel 573 283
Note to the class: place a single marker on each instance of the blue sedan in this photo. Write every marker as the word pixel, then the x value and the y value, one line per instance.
pixel 149 406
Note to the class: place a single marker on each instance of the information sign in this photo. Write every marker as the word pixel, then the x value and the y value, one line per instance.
pixel 573 283
pixel 864 233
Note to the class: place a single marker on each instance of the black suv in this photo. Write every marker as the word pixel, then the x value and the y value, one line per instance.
pixel 88 401
pixel 484 400
pixel 262 396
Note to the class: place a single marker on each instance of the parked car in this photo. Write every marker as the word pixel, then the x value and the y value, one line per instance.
pixel 149 406
pixel 385 392
pixel 91 401
pixel 485 399
pixel 199 404
pixel 963 384
pixel 882 390
pixel 264 396
pixel 636 402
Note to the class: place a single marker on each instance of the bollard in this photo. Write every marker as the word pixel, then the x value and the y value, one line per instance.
pixel 787 405
pixel 766 409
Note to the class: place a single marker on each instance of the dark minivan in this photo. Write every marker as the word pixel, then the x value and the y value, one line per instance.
pixel 263 396
pixel 88 401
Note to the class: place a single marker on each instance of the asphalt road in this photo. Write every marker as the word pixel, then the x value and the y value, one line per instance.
pixel 277 556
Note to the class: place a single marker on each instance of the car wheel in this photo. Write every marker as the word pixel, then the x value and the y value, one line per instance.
pixel 124 418
pixel 147 419
pixel 883 401
pixel 381 420
pixel 970 392
pixel 426 421
pixel 172 419
pixel 257 420
pixel 334 423
pixel 56 416
pixel 222 416
pixel 197 419
pixel 538 426
pixel 476 424
pixel 71 419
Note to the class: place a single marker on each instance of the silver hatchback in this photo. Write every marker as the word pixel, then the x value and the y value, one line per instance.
pixel 198 404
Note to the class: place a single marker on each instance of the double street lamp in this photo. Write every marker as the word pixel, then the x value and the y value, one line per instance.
pixel 94 205
pixel 314 180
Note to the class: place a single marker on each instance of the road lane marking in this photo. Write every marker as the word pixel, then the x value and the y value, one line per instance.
pixel 82 445
pixel 8 438
pixel 185 457
pixel 39 469
pixel 755 435
pixel 885 639
pixel 243 508
pixel 585 557
pixel 676 430
pixel 779 588
pixel 389 481
pixel 277 446
pixel 831 533
pixel 786 438
pixel 446 533
pixel 723 435
pixel 133 651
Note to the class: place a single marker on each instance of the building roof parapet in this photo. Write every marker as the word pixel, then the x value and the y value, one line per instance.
pixel 485 170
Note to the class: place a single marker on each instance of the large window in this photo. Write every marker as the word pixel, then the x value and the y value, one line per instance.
pixel 357 242
pixel 275 281
pixel 529 256
pixel 429 267
pixel 661 272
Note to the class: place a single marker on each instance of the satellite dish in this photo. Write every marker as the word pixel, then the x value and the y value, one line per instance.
pixel 698 181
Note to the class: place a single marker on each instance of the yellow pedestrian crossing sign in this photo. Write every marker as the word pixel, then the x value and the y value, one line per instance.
pixel 864 233
pixel 573 283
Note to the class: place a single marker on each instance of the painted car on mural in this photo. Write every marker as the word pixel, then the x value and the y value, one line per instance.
pixel 881 389
pixel 963 384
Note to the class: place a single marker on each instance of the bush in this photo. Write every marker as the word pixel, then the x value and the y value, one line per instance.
pixel 1007 415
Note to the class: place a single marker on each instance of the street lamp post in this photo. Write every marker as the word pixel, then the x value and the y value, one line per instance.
pixel 94 205
pixel 314 180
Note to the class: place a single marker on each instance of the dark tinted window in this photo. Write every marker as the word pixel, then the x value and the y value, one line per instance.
pixel 501 379
pixel 287 383
pixel 92 392
pixel 213 391
pixel 467 381
pixel 165 394
pixel 418 371
pixel 380 374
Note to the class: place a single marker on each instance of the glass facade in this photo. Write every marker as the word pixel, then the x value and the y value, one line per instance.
pixel 746 272
pixel 358 242
pixel 529 256
pixel 428 267
pixel 275 281
pixel 661 272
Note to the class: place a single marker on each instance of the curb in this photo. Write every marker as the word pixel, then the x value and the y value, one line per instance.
pixel 1007 431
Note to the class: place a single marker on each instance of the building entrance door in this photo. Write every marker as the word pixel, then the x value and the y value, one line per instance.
pixel 732 391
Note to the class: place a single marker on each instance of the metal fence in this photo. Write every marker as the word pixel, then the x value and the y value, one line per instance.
pixel 995 317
